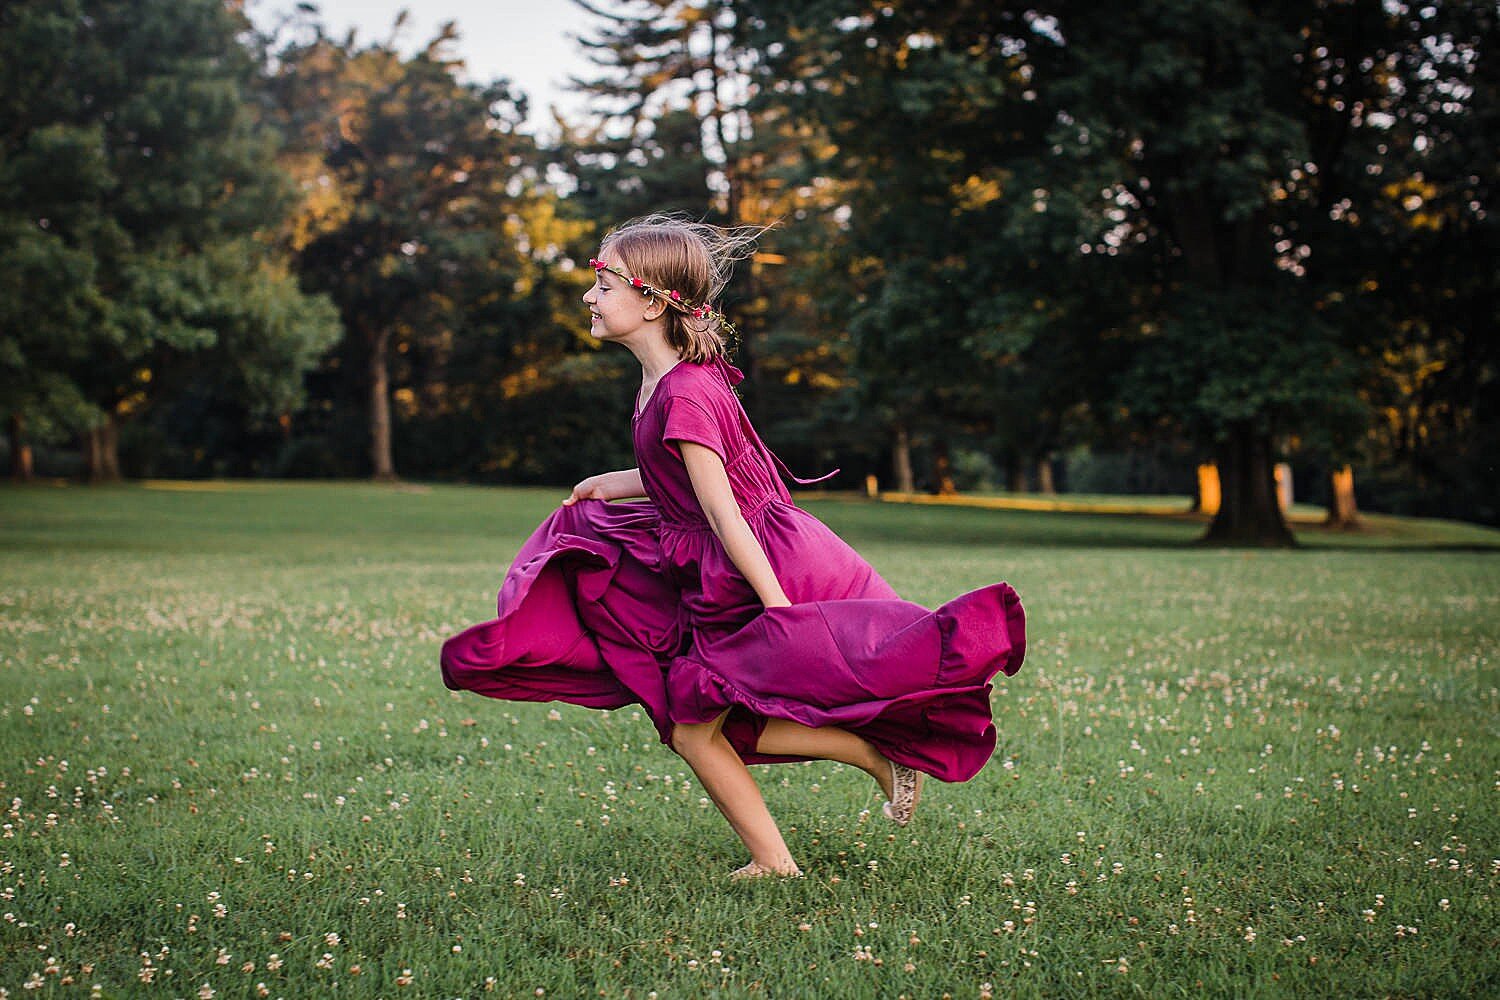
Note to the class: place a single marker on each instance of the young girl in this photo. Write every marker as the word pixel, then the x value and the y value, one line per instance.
pixel 748 630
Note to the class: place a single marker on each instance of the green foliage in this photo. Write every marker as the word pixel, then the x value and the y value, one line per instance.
pixel 416 229
pixel 1208 228
pixel 223 738
pixel 45 300
pixel 1154 217
pixel 1425 279
pixel 957 331
pixel 133 177
pixel 666 136
pixel 627 176
pixel 1230 360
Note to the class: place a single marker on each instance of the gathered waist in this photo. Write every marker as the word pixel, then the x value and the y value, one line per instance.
pixel 669 523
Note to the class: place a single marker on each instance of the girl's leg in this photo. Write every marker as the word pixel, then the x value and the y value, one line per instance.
pixel 902 785
pixel 728 782
pixel 782 737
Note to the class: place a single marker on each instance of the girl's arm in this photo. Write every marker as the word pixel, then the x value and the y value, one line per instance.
pixel 608 486
pixel 711 485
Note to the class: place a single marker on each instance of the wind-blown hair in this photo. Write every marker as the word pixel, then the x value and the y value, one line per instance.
pixel 693 259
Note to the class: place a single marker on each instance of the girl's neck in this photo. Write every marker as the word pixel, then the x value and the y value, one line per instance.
pixel 656 356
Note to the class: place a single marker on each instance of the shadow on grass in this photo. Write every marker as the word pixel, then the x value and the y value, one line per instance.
pixel 862 520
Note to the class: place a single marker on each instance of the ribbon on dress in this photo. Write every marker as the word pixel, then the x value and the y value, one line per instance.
pixel 793 476
pixel 732 377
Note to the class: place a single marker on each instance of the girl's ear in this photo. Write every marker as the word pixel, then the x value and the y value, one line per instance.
pixel 655 307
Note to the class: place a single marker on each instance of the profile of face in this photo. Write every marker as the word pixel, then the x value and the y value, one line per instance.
pixel 616 310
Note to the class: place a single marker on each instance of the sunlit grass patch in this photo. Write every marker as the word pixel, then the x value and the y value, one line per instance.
pixel 228 767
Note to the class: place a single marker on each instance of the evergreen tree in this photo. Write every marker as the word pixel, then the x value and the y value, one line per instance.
pixel 922 142
pixel 133 179
pixel 665 64
pixel 676 128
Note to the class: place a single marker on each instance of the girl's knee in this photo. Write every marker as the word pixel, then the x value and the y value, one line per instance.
pixel 687 738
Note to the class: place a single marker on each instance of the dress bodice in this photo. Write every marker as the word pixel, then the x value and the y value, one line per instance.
pixel 696 402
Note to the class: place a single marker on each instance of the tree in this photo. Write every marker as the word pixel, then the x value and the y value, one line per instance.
pixel 665 64
pixel 1188 168
pixel 1251 141
pixel 225 409
pixel 927 145
pixel 416 180
pixel 133 177
pixel 1427 281
pixel 677 129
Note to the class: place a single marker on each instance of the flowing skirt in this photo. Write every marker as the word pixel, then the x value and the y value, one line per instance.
pixel 586 615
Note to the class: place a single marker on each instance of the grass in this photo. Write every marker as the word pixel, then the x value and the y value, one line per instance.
pixel 228 768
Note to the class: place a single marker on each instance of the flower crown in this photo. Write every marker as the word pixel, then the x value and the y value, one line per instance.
pixel 673 296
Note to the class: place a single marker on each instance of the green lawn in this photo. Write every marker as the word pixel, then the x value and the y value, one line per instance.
pixel 228 767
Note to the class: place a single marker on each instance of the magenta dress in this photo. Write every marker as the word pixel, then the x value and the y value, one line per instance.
pixel 610 604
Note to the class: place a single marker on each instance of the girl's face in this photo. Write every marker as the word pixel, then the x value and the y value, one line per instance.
pixel 616 310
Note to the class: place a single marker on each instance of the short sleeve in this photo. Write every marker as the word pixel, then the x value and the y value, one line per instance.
pixel 687 420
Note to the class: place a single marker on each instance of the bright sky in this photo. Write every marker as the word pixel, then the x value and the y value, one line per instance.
pixel 526 42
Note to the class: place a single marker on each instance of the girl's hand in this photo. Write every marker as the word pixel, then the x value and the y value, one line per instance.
pixel 591 488
pixel 608 486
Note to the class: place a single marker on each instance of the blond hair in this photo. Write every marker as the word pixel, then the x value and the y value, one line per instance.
pixel 673 254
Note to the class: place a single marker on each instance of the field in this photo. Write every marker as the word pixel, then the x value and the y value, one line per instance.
pixel 228 768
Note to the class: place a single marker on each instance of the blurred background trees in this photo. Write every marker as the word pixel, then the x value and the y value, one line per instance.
pixel 135 178
pixel 1039 246
pixel 417 187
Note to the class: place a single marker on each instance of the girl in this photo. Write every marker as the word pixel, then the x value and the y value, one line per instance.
pixel 747 629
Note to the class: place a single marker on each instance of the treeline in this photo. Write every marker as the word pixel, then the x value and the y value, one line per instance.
pixel 1015 243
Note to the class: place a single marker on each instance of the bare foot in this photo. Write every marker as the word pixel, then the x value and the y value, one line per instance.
pixel 757 870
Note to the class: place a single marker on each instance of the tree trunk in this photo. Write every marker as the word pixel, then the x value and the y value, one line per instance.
pixel 101 452
pixel 88 446
pixel 716 115
pixel 942 470
pixel 1342 512
pixel 21 469
pixel 901 461
pixel 382 464
pixel 1015 474
pixel 1248 510
pixel 1045 484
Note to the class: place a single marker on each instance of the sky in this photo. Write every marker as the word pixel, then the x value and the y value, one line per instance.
pixel 526 42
